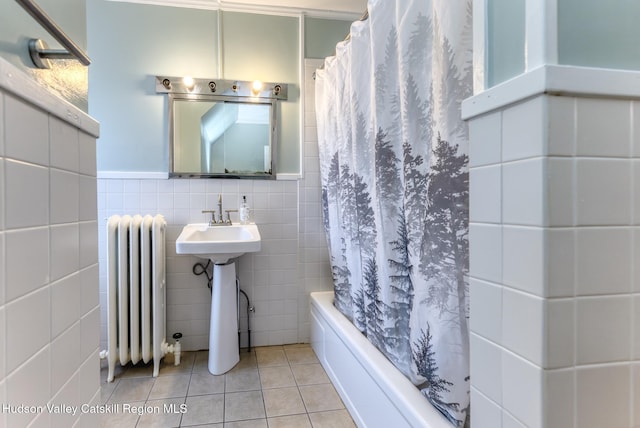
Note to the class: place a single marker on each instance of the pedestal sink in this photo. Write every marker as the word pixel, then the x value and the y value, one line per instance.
pixel 221 244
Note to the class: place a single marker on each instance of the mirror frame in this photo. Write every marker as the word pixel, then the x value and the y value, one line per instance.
pixel 222 90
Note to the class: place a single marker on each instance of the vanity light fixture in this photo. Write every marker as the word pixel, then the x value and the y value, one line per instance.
pixel 189 83
pixel 195 86
pixel 256 87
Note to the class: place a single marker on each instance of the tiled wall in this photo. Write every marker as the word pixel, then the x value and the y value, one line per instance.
pixel 293 260
pixel 555 292
pixel 49 315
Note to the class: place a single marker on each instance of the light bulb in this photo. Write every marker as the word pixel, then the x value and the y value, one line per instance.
pixel 188 82
pixel 257 86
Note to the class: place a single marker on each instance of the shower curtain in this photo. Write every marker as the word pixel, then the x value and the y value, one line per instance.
pixel 394 173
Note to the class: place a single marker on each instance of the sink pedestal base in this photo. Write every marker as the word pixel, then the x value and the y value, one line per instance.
pixel 223 332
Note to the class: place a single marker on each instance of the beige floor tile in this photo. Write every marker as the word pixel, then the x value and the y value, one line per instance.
pixel 170 387
pixel 283 401
pixel 247 360
pixel 201 361
pixel 242 380
pixel 165 414
pixel 301 355
pixel 254 423
pixel 271 356
pixel 318 398
pixel 276 377
pixel 332 419
pixel 135 389
pixel 167 366
pixel 309 374
pixel 106 389
pixel 204 409
pixel 240 406
pixel 292 421
pixel 120 418
pixel 206 383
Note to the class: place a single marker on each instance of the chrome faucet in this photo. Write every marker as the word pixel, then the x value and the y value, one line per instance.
pixel 220 221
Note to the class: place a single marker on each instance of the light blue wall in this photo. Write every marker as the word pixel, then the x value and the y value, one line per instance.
pixel 597 33
pixel 505 40
pixel 67 78
pixel 322 35
pixel 132 43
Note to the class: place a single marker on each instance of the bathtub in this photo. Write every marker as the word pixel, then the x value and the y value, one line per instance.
pixel 373 390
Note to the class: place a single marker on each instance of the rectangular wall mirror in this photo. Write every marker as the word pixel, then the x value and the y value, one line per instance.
pixel 224 130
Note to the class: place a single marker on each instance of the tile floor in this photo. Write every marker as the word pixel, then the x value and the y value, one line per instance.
pixel 271 387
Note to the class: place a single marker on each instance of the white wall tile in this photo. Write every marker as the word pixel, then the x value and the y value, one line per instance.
pixel 26 132
pixel 486 310
pixel 523 264
pixel 22 248
pixel 636 393
pixel 603 257
pixel 560 262
pixel 523 325
pixel 89 340
pixel 2 201
pixel 65 303
pixel 562 125
pixel 486 413
pixel 26 195
pixel 20 386
pixel 603 127
pixel 88 243
pixel 89 377
pixel 64 144
pixel 486 366
pixel 66 358
pixel 3 344
pixel 523 130
pixel 65 196
pixel 2 124
pixel 603 396
pixel 522 389
pixel 560 333
pixel 635 322
pixel 88 209
pixel 560 398
pixel 3 270
pixel 510 421
pixel 560 192
pixel 485 252
pixel 67 395
pixel 65 250
pixel 523 185
pixel 87 154
pixel 485 193
pixel 603 192
pixel 89 293
pixel 32 313
pixel 599 321
pixel 485 138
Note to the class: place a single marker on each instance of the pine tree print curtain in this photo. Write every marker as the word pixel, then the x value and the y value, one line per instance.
pixel 393 159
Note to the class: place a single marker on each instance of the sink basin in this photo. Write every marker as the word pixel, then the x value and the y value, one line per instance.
pixel 218 243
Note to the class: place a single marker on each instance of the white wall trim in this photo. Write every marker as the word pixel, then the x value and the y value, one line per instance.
pixel 288 176
pixel 556 80
pixel 141 175
pixel 17 82
pixel 250 8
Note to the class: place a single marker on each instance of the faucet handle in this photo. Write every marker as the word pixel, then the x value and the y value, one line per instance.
pixel 229 216
pixel 213 216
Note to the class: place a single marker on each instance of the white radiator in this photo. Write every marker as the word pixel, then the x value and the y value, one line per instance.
pixel 136 293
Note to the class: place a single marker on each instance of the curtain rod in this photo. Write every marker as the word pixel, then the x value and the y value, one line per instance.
pixel 364 17
pixel 38 49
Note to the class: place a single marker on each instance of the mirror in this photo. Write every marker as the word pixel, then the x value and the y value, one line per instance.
pixel 222 128
pixel 214 136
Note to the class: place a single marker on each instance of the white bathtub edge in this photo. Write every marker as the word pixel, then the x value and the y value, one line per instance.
pixel 394 390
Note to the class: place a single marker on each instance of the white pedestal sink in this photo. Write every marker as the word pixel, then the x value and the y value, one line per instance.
pixel 221 244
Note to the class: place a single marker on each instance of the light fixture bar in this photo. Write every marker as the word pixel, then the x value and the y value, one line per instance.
pixel 231 88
